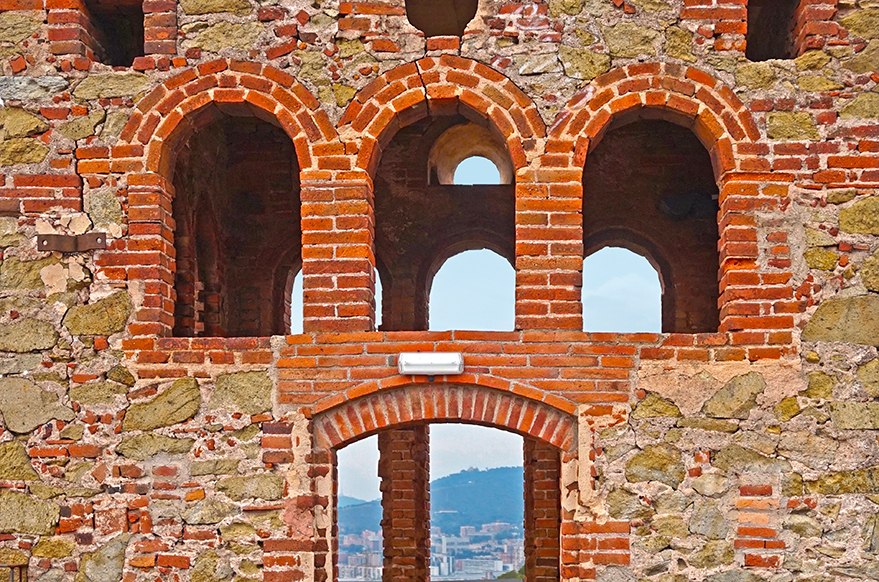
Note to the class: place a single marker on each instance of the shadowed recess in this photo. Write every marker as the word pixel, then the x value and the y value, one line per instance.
pixel 441 17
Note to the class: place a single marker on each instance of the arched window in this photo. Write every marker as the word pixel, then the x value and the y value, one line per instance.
pixel 482 154
pixel 476 170
pixel 474 290
pixel 649 186
pixel 622 292
pixel 480 510
pixel 236 183
pixel 444 185
pixel 441 17
pixel 771 25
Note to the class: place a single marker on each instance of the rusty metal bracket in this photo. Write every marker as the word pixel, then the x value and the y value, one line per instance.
pixel 68 243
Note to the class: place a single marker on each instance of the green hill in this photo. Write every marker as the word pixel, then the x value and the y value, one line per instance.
pixel 345 501
pixel 471 497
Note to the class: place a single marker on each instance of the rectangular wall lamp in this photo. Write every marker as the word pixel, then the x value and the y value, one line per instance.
pixel 430 363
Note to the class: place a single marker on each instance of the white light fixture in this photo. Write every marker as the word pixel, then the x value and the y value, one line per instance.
pixel 430 363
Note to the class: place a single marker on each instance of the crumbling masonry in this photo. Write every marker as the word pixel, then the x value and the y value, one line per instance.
pixel 168 168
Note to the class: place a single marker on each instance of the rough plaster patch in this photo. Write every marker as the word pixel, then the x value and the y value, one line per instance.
pixel 54 277
pixel 689 385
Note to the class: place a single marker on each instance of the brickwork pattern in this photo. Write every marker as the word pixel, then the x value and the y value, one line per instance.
pixel 740 453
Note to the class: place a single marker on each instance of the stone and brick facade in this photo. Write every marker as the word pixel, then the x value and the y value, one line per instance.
pixel 159 422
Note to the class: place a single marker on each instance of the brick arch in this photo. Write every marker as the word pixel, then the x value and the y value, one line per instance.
pixel 362 416
pixel 682 95
pixel 171 112
pixel 440 86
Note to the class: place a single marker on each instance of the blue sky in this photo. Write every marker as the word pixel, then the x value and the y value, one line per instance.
pixel 476 290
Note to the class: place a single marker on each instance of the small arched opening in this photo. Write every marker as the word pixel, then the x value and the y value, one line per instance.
pixel 237 216
pixel 649 186
pixel 623 292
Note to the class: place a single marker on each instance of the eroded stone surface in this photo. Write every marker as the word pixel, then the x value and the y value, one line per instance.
pixel 15 464
pixel 262 486
pixel 249 392
pixel 20 513
pixel 177 403
pixel 660 462
pixel 27 335
pixel 106 563
pixel 104 317
pixel 109 85
pixel 143 446
pixel 25 406
pixel 848 319
pixel 736 398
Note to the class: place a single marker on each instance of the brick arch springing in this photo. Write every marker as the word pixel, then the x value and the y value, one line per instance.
pixel 439 86
pixel 682 95
pixel 444 402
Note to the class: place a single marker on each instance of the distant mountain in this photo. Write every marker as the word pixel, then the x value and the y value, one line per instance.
pixel 345 501
pixel 472 497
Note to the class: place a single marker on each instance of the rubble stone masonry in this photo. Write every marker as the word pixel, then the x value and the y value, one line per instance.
pixel 158 423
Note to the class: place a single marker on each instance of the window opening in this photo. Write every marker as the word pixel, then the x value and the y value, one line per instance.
pixel 649 186
pixel 117 31
pixel 621 293
pixel 360 511
pixel 476 170
pixel 474 290
pixel 770 29
pixel 476 502
pixel 423 215
pixel 472 149
pixel 237 237
pixel 441 17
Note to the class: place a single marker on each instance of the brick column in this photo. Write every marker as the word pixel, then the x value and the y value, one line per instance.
pixel 147 254
pixel 549 252
pixel 160 27
pixel 337 257
pixel 404 470
pixel 542 511
pixel 757 303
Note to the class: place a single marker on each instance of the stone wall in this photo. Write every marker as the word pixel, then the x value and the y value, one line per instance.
pixel 140 443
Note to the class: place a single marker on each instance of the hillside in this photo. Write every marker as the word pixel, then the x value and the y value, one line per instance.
pixel 471 497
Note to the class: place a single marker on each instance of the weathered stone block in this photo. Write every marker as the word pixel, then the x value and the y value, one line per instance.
pixel 736 398
pixel 21 513
pixel 25 406
pixel 660 462
pixel 248 392
pixel 847 319
pixel 104 317
pixel 177 403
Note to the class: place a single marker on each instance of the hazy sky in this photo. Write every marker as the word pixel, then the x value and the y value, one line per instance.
pixel 476 290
